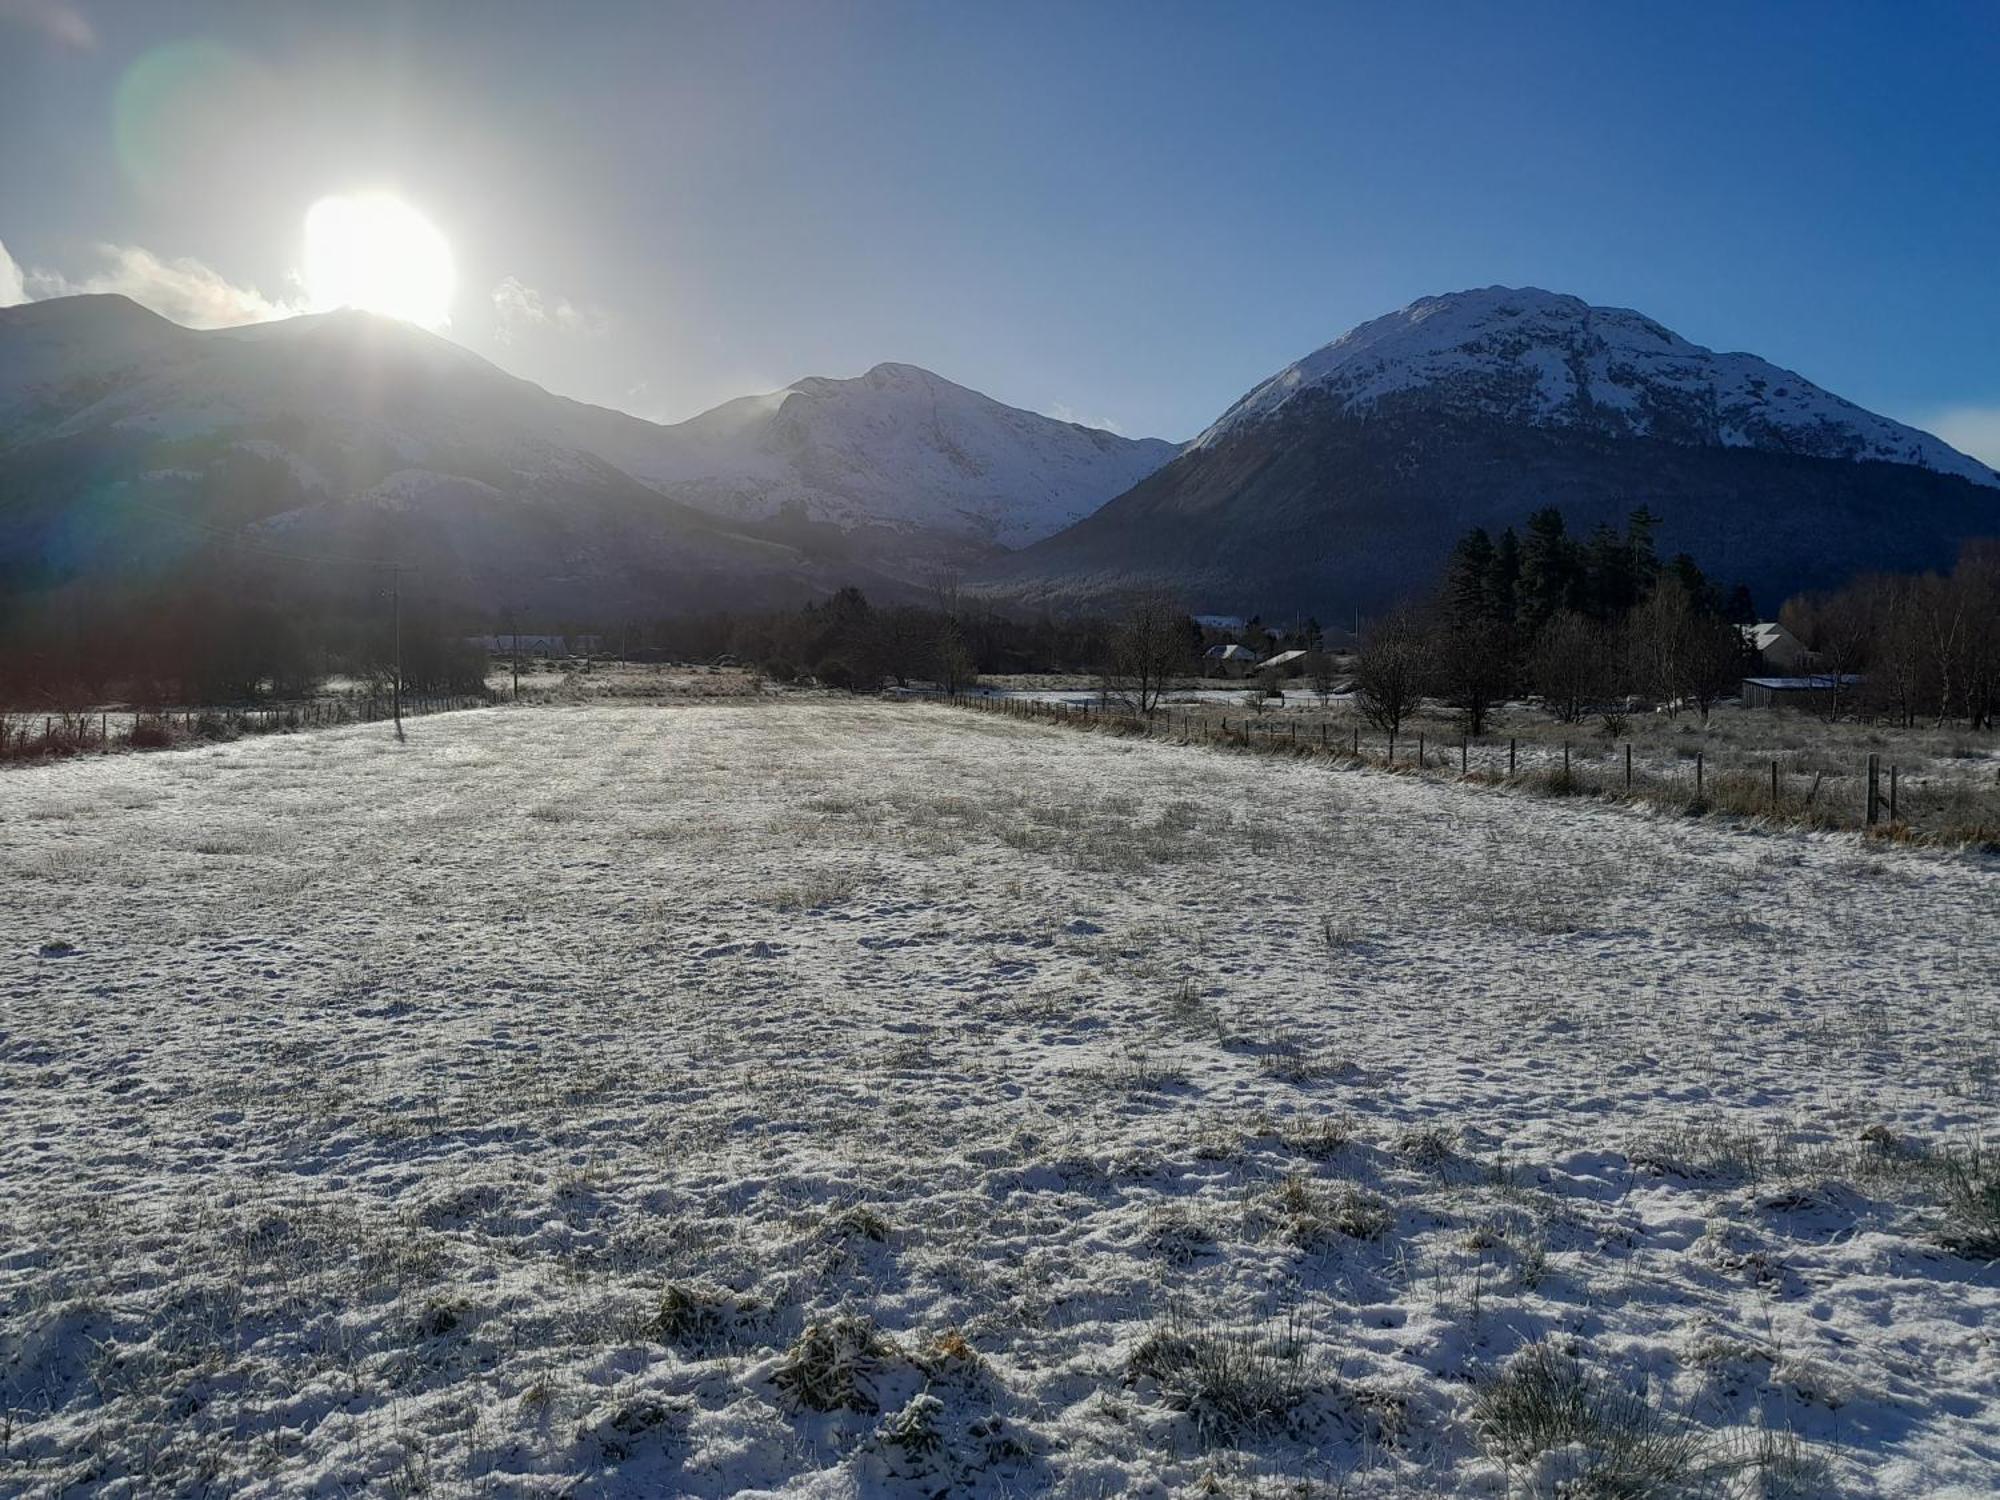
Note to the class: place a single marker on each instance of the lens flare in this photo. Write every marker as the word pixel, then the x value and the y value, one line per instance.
pixel 181 116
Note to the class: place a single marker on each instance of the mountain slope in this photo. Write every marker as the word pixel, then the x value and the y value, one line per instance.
pixel 1549 360
pixel 897 449
pixel 130 445
pixel 1341 482
pixel 128 441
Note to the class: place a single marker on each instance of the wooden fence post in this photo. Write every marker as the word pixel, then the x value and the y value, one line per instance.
pixel 1420 752
pixel 1874 785
pixel 1697 776
pixel 1510 755
pixel 1628 765
pixel 1774 786
pixel 1464 753
pixel 1392 747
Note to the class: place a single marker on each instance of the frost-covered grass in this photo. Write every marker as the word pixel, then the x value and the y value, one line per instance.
pixel 1948 776
pixel 832 1096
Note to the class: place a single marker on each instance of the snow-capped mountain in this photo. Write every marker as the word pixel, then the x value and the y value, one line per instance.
pixel 129 444
pixel 1341 482
pixel 117 425
pixel 1520 354
pixel 896 448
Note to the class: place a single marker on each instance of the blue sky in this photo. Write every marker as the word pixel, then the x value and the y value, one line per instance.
pixel 1125 213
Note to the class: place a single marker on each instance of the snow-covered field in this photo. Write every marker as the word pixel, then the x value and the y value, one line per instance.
pixel 840 1098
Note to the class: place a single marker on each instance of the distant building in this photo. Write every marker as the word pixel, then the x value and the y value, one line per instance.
pixel 538 645
pixel 1777 648
pixel 1227 624
pixel 1285 663
pixel 1229 661
pixel 1811 692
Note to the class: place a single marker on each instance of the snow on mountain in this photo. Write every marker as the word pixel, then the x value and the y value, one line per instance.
pixel 343 399
pixel 1340 483
pixel 59 354
pixel 898 448
pixel 1526 355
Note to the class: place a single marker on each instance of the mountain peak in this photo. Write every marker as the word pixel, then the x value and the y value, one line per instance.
pixel 1526 356
pixel 888 377
pixel 890 372
pixel 94 310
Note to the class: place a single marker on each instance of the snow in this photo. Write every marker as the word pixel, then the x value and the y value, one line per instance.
pixel 898 447
pixel 364 1099
pixel 1516 353
pixel 69 351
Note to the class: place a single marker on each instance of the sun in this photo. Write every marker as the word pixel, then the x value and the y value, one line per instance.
pixel 374 251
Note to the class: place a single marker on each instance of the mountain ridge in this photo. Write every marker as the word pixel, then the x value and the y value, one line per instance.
pixel 1341 481
pixel 1338 481
pixel 1613 368
pixel 325 423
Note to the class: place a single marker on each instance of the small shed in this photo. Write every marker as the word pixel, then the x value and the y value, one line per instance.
pixel 1812 692
pixel 1285 663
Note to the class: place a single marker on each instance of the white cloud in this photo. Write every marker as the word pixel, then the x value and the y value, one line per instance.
pixel 1063 412
pixel 58 20
pixel 184 290
pixel 518 307
pixel 12 288
pixel 1970 429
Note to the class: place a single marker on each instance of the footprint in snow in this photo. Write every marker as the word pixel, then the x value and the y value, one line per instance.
pixel 748 950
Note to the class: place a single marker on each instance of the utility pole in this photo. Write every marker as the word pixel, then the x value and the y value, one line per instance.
pixel 514 625
pixel 396 606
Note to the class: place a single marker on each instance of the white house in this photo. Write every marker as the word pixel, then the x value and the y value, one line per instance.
pixel 1777 648
pixel 1228 661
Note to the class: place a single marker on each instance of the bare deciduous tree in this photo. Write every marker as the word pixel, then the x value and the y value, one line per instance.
pixel 1150 649
pixel 1572 665
pixel 1393 670
pixel 1836 628
pixel 1319 671
pixel 1472 666
pixel 951 662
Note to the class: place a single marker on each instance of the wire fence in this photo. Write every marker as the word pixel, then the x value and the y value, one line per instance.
pixel 1872 794
pixel 41 736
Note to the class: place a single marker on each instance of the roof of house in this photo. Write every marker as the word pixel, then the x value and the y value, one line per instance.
pixel 1821 682
pixel 1230 653
pixel 1283 658
pixel 1767 633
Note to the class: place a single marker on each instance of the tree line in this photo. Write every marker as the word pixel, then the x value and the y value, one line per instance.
pixel 1587 624
pixel 224 635
pixel 1925 647
pixel 849 641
